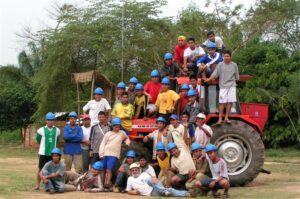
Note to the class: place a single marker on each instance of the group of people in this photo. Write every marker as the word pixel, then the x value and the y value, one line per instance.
pixel 179 166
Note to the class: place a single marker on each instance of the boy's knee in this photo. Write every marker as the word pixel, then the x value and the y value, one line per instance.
pixel 224 183
pixel 198 184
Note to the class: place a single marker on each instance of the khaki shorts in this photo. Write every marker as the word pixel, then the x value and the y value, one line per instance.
pixel 227 95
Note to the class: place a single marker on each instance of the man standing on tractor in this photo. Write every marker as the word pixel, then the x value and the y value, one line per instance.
pixel 121 88
pixel 211 37
pixel 166 100
pixel 228 74
pixel 93 107
pixel 124 111
pixel 85 143
pixel 48 138
pixel 181 164
pixel 73 136
pixel 131 89
pixel 170 70
pixel 218 168
pixel 159 135
pixel 202 169
pixel 203 132
pixel 153 88
pixel 208 63
pixel 97 134
pixel 191 55
pixel 179 50
pixel 110 150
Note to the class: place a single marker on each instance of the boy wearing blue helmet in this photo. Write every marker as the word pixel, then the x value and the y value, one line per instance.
pixel 163 160
pixel 218 168
pixel 48 138
pixel 110 149
pixel 170 70
pixel 93 107
pixel 121 88
pixel 52 174
pixel 140 102
pixel 133 81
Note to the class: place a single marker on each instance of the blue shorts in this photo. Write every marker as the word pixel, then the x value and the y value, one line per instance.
pixel 206 182
pixel 109 162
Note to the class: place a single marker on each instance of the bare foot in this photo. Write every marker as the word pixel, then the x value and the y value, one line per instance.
pixel 219 122
pixel 227 121
pixel 36 187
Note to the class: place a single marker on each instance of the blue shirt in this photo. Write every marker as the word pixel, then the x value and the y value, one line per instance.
pixel 208 60
pixel 72 137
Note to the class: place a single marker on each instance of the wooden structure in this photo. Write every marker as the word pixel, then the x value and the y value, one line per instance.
pixel 96 80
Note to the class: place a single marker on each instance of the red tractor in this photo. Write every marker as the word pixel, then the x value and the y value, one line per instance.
pixel 239 143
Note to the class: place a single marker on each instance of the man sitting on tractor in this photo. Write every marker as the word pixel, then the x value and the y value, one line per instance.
pixel 153 88
pixel 131 89
pixel 183 98
pixel 228 74
pixel 208 63
pixel 170 70
pixel 191 55
pixel 211 37
pixel 166 100
pixel 140 102
pixel 179 50
pixel 218 168
pixel 124 111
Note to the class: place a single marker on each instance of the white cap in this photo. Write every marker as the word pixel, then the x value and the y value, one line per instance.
pixel 134 165
pixel 201 115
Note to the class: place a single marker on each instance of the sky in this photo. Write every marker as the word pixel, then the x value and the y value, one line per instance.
pixel 16 15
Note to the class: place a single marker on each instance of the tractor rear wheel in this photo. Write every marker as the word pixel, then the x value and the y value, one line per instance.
pixel 139 147
pixel 242 148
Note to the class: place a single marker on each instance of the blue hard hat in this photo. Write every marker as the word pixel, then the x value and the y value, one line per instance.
pixel 211 45
pixel 168 56
pixel 131 154
pixel 210 147
pixel 154 73
pixel 98 91
pixel 196 146
pixel 116 121
pixel 56 151
pixel 133 80
pixel 174 116
pixel 139 86
pixel 121 85
pixel 185 87
pixel 166 81
pixel 191 93
pixel 171 146
pixel 98 166
pixel 161 119
pixel 160 146
pixel 73 114
pixel 50 116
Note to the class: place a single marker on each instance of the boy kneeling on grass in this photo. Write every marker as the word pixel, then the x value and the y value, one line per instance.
pixel 52 174
pixel 218 168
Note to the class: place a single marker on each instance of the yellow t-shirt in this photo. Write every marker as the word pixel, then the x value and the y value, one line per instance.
pixel 164 164
pixel 120 110
pixel 166 100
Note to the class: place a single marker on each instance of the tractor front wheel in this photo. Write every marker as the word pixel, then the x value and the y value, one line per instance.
pixel 242 148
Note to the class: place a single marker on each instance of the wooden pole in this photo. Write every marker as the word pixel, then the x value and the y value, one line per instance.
pixel 78 98
pixel 93 84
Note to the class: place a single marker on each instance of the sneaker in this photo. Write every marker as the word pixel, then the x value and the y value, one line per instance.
pixel 51 191
pixel 115 189
pixel 167 193
pixel 106 188
pixel 191 194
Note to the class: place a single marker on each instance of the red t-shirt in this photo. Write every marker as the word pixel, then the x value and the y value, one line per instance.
pixel 153 89
pixel 178 53
pixel 183 101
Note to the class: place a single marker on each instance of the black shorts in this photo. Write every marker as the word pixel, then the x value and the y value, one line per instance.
pixel 206 182
pixel 43 159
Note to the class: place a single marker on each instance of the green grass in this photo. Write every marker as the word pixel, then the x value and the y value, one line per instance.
pixel 12 137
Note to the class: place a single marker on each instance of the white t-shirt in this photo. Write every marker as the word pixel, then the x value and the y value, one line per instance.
pixel 218 169
pixel 177 135
pixel 201 137
pixel 189 53
pixel 95 107
pixel 149 170
pixel 140 184
pixel 86 136
pixel 218 41
pixel 183 163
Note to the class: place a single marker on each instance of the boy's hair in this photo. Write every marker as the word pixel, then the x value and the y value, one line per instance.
pixel 142 157
pixel 124 93
pixel 102 113
pixel 226 51
pixel 192 39
pixel 210 33
pixel 185 113
pixel 193 77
